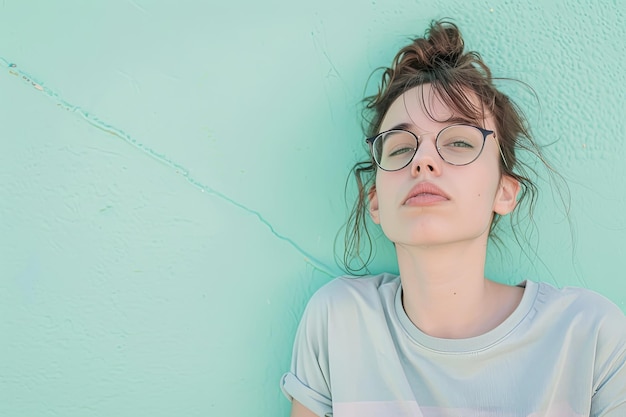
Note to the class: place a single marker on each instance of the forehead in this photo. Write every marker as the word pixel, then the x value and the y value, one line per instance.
pixel 423 107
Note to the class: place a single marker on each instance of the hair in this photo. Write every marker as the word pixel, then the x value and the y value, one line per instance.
pixel 458 78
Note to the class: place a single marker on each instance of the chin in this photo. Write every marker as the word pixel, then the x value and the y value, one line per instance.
pixel 420 239
pixel 428 238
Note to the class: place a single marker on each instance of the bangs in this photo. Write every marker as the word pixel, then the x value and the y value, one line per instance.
pixel 464 104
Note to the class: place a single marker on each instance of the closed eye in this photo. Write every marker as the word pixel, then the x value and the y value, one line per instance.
pixel 460 144
pixel 401 151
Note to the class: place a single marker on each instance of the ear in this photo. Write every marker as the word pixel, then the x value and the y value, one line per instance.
pixel 373 204
pixel 506 197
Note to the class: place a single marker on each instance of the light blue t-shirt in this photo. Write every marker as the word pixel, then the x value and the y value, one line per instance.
pixel 561 353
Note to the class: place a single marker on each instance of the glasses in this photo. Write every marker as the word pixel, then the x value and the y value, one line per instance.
pixel 457 144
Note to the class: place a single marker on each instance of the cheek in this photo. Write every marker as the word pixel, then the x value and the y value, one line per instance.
pixel 486 179
pixel 383 187
pixel 487 196
pixel 484 186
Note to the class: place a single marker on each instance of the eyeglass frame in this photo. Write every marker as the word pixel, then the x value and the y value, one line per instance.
pixel 485 132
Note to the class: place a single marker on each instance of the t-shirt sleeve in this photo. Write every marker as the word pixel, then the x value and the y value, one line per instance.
pixel 308 380
pixel 609 399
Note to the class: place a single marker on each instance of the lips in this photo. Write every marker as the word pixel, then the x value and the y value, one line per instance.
pixel 425 193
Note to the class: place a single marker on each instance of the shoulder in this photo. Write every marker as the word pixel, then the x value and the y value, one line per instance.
pixel 349 296
pixel 346 291
pixel 586 310
pixel 345 302
pixel 578 300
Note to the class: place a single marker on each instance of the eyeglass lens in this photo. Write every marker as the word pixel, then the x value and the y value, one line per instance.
pixel 457 145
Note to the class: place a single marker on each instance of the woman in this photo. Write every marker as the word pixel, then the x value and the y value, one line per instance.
pixel 440 339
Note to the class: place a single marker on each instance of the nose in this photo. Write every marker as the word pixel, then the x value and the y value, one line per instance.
pixel 426 159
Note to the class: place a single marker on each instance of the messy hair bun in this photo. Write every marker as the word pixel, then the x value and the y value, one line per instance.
pixel 437 58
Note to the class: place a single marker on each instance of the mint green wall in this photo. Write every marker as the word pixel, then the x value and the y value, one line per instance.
pixel 171 182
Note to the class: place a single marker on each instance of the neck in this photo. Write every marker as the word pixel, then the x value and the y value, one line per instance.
pixel 445 292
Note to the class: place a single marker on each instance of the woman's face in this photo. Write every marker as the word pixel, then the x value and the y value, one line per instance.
pixel 430 202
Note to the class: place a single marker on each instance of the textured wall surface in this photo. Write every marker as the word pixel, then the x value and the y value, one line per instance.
pixel 172 180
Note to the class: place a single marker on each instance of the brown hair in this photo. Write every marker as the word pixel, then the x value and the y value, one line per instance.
pixel 456 77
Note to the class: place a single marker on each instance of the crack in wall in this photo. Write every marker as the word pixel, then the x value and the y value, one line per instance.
pixel 179 169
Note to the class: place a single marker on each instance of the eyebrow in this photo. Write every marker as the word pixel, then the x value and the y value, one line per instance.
pixel 454 120
pixel 403 126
